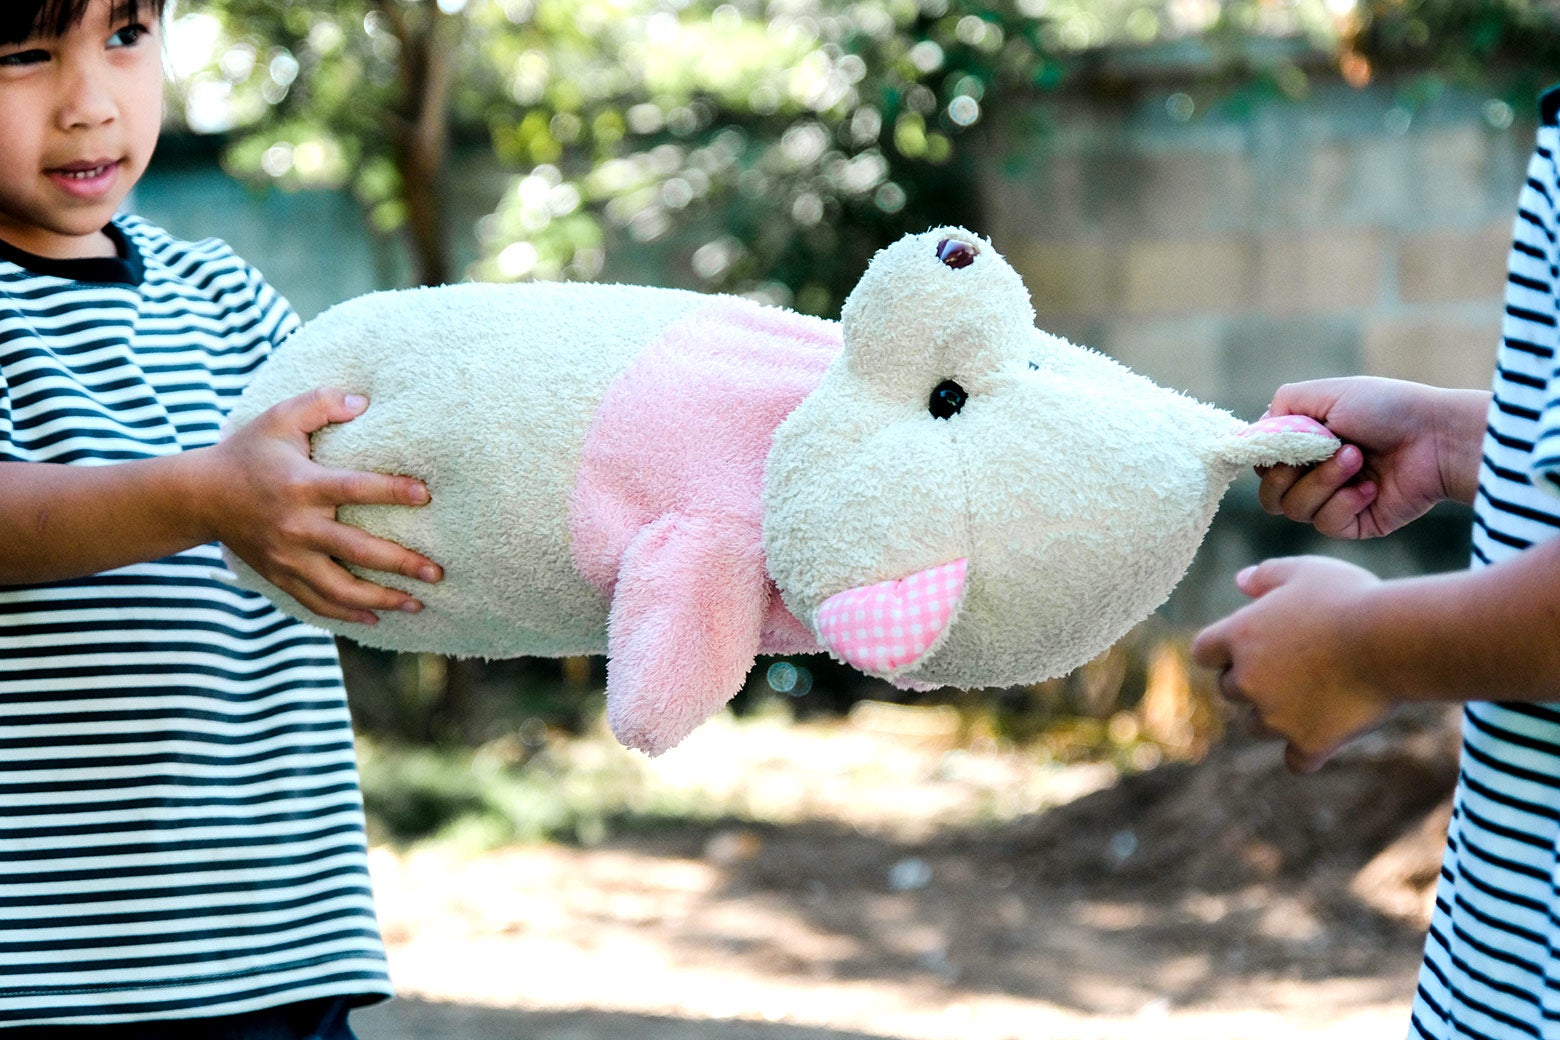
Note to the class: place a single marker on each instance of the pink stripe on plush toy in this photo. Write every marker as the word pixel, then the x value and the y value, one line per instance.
pixel 666 518
pixel 885 628
pixel 686 429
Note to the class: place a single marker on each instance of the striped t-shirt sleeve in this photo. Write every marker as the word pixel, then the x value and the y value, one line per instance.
pixel 1531 305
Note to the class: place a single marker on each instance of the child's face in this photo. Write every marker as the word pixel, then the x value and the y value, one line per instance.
pixel 79 118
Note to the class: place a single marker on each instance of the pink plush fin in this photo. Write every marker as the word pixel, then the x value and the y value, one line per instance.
pixel 891 628
pixel 683 630
pixel 1296 440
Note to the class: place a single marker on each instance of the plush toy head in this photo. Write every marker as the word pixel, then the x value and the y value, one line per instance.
pixel 968 501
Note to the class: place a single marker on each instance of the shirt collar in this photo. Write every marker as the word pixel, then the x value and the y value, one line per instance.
pixel 124 268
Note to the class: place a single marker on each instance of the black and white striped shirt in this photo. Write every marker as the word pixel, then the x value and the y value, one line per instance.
pixel 1492 959
pixel 181 832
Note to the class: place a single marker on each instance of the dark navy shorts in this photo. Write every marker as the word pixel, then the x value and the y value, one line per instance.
pixel 312 1020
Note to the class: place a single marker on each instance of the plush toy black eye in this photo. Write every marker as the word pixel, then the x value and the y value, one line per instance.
pixel 947 400
pixel 955 253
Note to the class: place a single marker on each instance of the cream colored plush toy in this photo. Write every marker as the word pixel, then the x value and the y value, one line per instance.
pixel 931 489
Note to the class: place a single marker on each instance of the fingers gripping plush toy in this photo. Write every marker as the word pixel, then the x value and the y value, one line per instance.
pixel 931 489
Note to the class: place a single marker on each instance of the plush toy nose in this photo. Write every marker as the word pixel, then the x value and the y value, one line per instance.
pixel 956 253
pixel 891 627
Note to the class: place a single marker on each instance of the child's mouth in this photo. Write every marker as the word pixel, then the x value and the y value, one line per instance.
pixel 85 180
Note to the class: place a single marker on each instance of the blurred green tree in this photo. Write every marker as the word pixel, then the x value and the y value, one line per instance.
pixel 328 94
pixel 777 142
pixel 1509 47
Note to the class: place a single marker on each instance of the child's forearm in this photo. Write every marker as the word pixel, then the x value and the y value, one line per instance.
pixel 1489 634
pixel 59 522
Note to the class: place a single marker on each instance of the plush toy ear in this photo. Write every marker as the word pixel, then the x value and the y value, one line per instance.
pixel 934 306
pixel 1295 440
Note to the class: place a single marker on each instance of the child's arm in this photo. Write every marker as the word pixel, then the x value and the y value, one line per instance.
pixel 257 492
pixel 1326 650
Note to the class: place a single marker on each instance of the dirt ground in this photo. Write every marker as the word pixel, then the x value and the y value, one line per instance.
pixel 882 884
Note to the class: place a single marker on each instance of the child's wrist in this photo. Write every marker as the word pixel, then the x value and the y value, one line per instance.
pixel 1460 443
pixel 193 508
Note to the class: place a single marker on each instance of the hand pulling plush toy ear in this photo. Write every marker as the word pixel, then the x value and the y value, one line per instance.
pixel 932 489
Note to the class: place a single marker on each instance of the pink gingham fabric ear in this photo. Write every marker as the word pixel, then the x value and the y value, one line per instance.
pixel 889 627
pixel 1285 424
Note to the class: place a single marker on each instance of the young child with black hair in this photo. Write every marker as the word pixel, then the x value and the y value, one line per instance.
pixel 182 848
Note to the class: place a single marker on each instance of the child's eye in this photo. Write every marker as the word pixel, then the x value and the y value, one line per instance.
pixel 20 59
pixel 129 36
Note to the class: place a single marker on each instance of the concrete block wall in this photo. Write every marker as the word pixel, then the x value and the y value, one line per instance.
pixel 1235 251
pixel 1229 253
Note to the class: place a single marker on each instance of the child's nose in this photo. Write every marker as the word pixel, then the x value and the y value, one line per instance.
pixel 87 98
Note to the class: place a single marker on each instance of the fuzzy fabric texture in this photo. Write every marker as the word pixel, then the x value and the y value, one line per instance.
pixel 484 392
pixel 594 490
pixel 675 479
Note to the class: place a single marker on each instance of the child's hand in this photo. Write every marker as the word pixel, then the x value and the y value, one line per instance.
pixel 1406 447
pixel 1286 656
pixel 275 509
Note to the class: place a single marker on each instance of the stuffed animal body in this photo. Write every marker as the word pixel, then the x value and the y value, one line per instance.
pixel 931 489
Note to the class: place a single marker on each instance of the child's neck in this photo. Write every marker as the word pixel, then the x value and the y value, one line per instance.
pixel 61 247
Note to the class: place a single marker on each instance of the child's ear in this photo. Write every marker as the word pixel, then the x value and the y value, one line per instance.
pixel 938 305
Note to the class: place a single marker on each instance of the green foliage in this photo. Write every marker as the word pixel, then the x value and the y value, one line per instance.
pixel 312 81
pixel 789 162
pixel 1508 46
pixel 487 799
pixel 764 146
